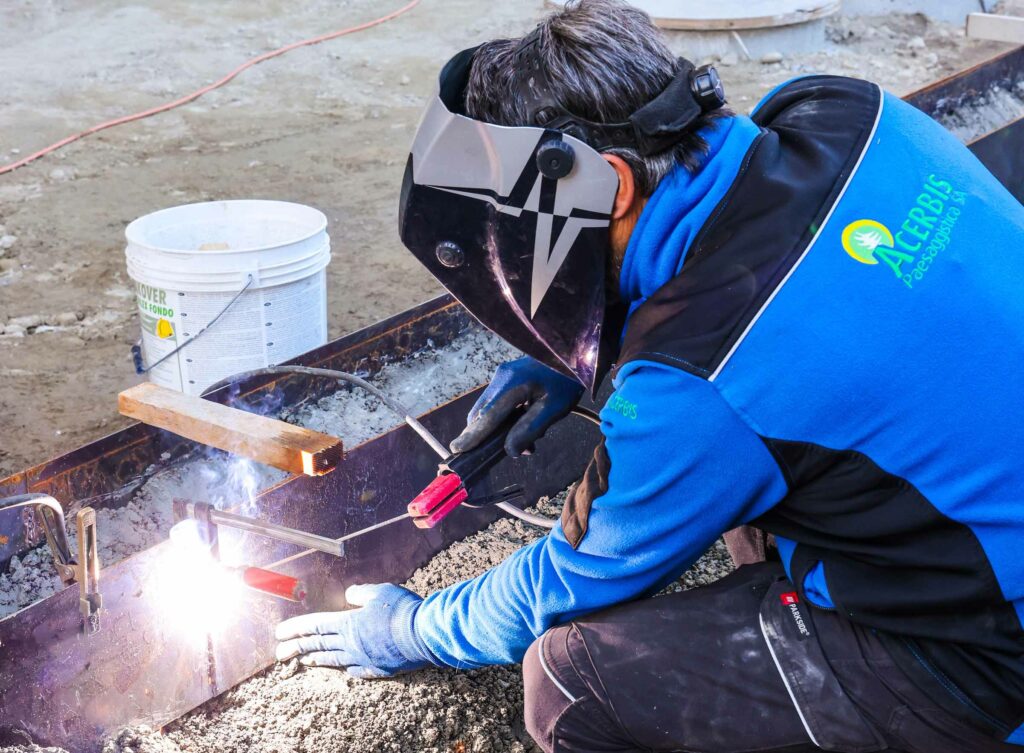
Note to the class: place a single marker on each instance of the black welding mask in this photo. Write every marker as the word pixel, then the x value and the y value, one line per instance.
pixel 513 221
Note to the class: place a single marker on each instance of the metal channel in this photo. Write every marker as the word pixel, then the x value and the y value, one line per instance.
pixel 106 473
pixel 71 690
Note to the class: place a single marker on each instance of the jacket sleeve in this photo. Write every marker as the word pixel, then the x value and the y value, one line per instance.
pixel 684 468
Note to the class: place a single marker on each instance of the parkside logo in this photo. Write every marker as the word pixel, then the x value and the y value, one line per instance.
pixel 790 600
pixel 926 231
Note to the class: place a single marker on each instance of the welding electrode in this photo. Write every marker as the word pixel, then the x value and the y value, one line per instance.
pixel 269 582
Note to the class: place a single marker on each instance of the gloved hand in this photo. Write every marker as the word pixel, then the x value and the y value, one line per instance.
pixel 550 395
pixel 378 640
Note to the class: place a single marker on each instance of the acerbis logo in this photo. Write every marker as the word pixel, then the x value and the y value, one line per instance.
pixel 863 238
pixel 927 230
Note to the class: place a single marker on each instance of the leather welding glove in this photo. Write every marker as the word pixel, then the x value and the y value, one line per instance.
pixel 549 395
pixel 377 640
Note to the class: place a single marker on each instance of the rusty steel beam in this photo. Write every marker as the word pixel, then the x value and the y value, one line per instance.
pixel 948 94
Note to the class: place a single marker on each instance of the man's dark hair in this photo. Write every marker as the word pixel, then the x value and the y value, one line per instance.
pixel 604 60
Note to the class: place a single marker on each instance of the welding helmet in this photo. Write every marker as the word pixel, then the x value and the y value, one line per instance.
pixel 514 221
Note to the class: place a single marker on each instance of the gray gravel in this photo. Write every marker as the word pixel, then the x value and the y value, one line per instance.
pixel 420 382
pixel 995 109
pixel 290 709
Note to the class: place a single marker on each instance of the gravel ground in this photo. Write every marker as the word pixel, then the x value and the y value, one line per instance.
pixel 290 709
pixel 424 380
pixel 995 109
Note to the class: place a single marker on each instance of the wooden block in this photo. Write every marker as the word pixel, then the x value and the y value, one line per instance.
pixel 267 440
pixel 996 28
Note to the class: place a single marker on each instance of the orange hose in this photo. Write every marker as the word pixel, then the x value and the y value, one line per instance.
pixel 200 92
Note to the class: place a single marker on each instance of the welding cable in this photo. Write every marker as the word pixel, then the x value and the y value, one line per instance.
pixel 424 433
pixel 343 376
pixel 540 520
pixel 206 89
pixel 537 520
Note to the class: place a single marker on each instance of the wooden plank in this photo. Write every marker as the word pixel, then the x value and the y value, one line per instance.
pixel 996 28
pixel 726 15
pixel 267 440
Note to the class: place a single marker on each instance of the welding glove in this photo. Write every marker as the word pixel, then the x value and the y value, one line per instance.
pixel 549 395
pixel 377 640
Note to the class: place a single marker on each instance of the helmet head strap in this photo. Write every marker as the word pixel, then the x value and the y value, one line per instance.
pixel 658 125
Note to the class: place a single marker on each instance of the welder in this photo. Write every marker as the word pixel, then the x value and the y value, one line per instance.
pixel 813 322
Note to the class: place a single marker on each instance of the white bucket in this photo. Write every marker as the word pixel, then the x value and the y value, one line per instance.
pixel 188 262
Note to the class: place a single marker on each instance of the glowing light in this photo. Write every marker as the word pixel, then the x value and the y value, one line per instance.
pixel 197 595
pixel 188 536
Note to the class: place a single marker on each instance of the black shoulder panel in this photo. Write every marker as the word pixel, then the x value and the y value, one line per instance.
pixel 814 132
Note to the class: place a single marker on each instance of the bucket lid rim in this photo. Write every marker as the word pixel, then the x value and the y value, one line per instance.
pixel 133 227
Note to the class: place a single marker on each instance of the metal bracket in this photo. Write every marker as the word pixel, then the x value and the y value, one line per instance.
pixel 85 569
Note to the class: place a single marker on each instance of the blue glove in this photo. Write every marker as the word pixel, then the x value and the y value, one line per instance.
pixel 378 640
pixel 549 395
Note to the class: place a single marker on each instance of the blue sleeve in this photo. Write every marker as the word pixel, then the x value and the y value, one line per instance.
pixel 684 469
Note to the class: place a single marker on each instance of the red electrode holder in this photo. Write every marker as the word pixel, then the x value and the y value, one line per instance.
pixel 456 473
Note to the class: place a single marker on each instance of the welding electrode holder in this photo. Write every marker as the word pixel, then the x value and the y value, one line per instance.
pixel 456 475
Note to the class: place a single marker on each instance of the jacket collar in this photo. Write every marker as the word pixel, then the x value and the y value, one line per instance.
pixel 678 209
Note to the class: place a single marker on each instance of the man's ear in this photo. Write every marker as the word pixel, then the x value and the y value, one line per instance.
pixel 626 195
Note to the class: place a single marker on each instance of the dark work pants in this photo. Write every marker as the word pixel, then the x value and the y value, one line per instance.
pixel 735 667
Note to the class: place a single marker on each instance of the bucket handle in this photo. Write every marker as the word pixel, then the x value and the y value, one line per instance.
pixel 140 366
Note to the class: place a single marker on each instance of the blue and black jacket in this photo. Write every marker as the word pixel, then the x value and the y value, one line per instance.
pixel 825 326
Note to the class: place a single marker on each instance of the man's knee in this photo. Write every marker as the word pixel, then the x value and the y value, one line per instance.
pixel 563 714
pixel 545 701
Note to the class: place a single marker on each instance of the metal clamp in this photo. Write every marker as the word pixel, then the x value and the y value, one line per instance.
pixel 87 571
pixel 84 569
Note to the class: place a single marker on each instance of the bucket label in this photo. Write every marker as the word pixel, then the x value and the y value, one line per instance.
pixel 159 332
pixel 153 301
pixel 157 326
pixel 156 315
